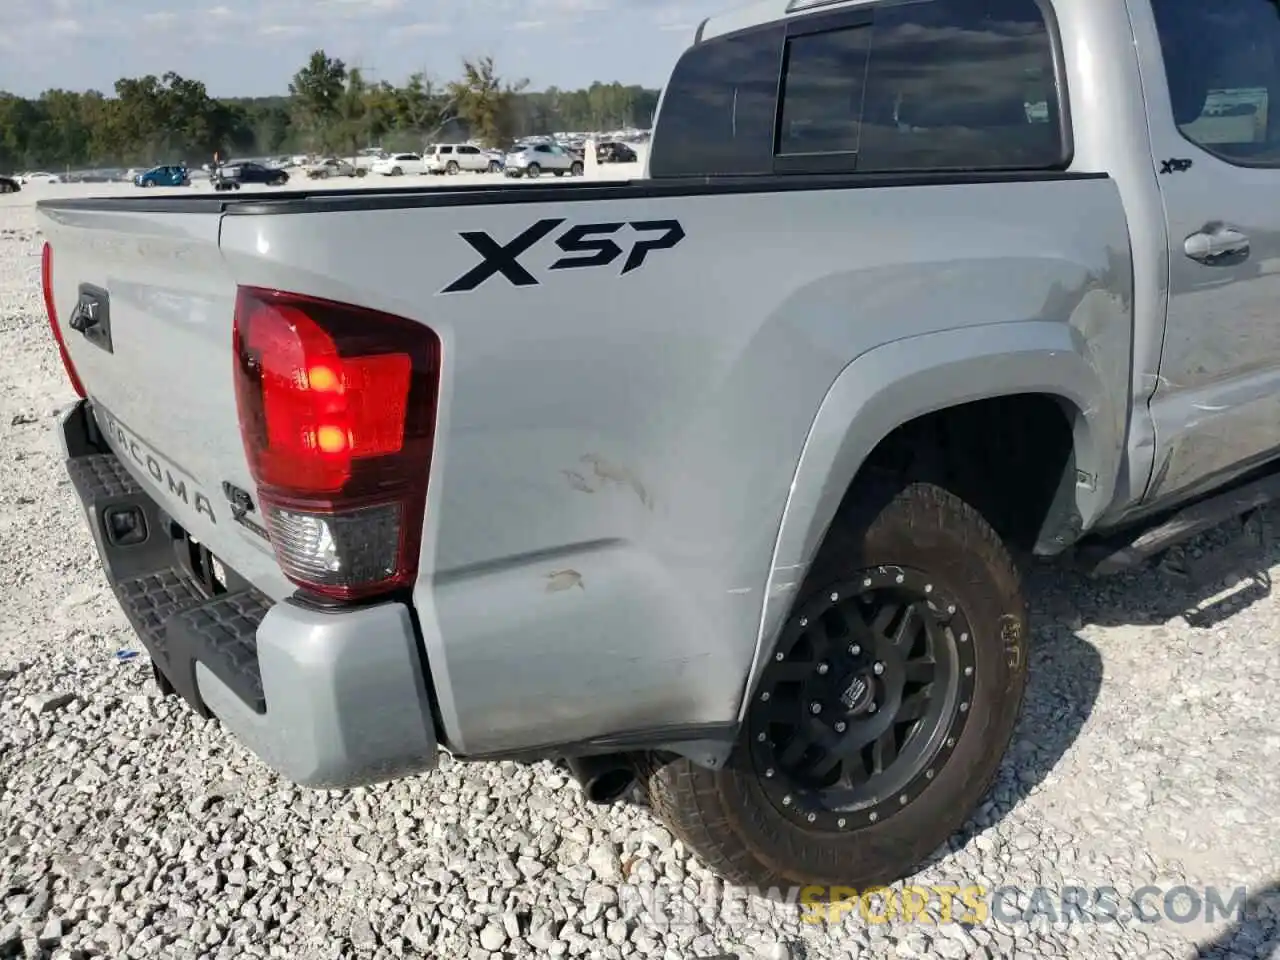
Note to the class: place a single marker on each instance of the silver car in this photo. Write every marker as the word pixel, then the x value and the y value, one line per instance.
pixel 531 160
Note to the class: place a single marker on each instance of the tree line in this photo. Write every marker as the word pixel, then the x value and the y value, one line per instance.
pixel 330 107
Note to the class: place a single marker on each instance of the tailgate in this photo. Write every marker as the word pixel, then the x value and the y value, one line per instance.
pixel 160 374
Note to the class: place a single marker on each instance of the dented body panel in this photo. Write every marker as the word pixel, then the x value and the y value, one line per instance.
pixel 616 449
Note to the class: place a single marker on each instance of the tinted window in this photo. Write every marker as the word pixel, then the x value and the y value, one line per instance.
pixel 718 109
pixel 822 92
pixel 961 84
pixel 1222 61
pixel 446 149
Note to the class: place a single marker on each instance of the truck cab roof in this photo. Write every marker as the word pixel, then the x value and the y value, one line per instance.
pixel 765 11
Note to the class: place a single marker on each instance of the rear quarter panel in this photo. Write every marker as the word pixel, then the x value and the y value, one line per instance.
pixel 615 451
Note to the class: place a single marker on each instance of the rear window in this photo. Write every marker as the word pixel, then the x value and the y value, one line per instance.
pixel 717 111
pixel 925 85
pixel 822 92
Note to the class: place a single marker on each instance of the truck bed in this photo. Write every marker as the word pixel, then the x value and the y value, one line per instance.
pixel 624 401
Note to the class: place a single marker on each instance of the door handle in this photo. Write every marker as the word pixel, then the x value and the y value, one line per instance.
pixel 92 316
pixel 1217 244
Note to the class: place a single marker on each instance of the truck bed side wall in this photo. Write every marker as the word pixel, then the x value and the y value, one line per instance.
pixel 615 451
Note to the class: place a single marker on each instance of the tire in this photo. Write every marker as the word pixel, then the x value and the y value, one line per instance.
pixel 495 166
pixel 148 184
pixel 575 169
pixel 452 168
pixel 397 172
pixel 732 818
pixel 533 171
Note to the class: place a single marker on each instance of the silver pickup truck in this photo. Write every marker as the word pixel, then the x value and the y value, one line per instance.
pixel 715 484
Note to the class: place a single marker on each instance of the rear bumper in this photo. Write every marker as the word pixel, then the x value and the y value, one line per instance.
pixel 328 699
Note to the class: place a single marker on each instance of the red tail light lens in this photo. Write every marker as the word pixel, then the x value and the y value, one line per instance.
pixel 337 410
pixel 46 281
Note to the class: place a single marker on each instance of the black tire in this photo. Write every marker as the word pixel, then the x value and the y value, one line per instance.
pixel 533 171
pixel 575 170
pixel 452 168
pixel 495 166
pixel 727 816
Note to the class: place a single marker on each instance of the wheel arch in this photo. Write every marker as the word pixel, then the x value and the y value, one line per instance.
pixel 888 392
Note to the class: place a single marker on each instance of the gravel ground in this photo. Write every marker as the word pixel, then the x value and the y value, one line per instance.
pixel 128 828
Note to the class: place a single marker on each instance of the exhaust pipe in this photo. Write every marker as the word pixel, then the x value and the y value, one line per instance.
pixel 604 778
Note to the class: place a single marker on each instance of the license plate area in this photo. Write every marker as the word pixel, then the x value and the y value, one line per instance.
pixel 209 574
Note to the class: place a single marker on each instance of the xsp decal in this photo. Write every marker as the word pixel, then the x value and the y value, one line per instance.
pixel 589 245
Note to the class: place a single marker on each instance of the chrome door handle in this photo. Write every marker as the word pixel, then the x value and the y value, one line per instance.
pixel 1216 245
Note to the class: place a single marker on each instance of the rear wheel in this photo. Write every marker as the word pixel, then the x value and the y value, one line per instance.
pixel 452 168
pixel 881 718
pixel 495 166
pixel 397 172
pixel 534 171
pixel 576 169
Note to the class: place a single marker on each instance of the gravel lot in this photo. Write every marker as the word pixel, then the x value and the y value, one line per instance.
pixel 1149 755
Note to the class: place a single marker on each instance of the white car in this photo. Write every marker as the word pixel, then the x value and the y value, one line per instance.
pixel 530 161
pixel 455 157
pixel 399 164
pixel 39 176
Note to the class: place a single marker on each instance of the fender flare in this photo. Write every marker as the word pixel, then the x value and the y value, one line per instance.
pixel 895 383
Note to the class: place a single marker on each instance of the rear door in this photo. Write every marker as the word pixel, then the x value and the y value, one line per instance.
pixel 471 158
pixel 1212 78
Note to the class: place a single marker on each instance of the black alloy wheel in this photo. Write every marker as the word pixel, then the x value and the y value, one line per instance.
pixel 869 689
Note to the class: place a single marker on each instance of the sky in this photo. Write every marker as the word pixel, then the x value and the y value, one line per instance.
pixel 253 47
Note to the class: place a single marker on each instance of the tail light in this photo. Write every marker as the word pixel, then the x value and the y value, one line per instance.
pixel 46 281
pixel 337 409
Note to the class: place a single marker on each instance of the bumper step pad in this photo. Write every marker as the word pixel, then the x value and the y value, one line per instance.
pixel 180 620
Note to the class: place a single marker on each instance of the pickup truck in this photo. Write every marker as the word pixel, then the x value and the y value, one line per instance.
pixel 909 296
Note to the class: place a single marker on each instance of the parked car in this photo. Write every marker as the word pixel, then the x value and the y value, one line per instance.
pixel 452 158
pixel 330 167
pixel 532 160
pixel 614 151
pixel 399 165
pixel 365 159
pixel 770 566
pixel 166 175
pixel 39 176
pixel 229 176
pixel 9 185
